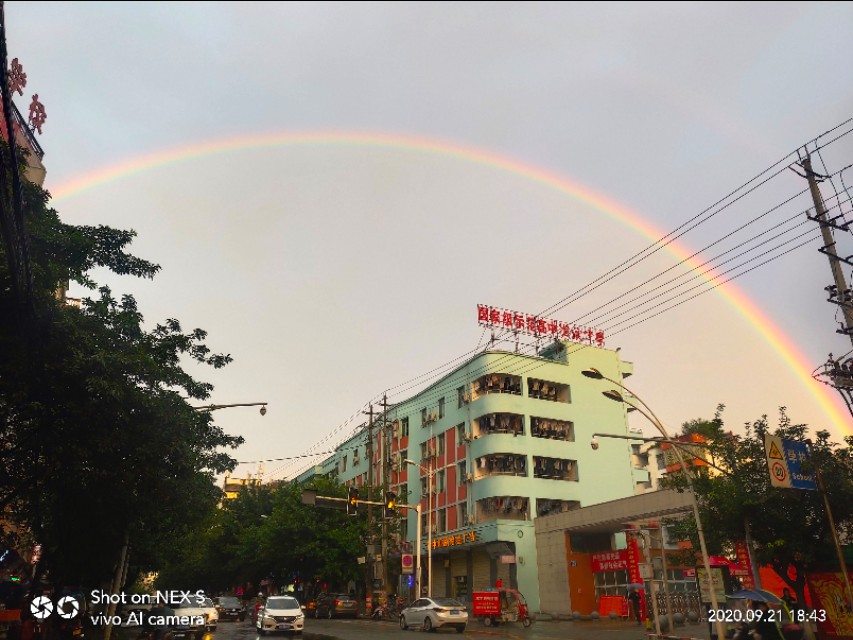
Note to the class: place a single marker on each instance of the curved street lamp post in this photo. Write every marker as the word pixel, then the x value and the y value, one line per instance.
pixel 651 417
pixel 429 473
pixel 214 407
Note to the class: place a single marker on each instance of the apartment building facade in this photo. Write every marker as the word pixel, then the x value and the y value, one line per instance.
pixel 499 441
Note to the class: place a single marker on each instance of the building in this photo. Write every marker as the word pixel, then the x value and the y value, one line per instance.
pixel 659 458
pixel 501 440
pixel 231 486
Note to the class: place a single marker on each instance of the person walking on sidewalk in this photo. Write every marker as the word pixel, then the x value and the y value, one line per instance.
pixel 634 604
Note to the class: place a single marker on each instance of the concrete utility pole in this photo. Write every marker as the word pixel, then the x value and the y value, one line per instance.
pixel 386 468
pixel 845 299
pixel 839 371
pixel 370 469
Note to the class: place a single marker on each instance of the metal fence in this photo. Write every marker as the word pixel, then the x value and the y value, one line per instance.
pixel 683 603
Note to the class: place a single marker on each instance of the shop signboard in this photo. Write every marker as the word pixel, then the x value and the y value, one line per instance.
pixel 720 580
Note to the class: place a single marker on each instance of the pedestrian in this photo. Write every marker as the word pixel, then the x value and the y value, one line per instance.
pixel 790 602
pixel 499 583
pixel 765 627
pixel 633 597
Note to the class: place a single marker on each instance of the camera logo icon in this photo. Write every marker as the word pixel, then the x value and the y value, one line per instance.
pixel 67 607
pixel 41 607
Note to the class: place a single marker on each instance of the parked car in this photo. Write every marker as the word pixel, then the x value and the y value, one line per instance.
pixel 335 605
pixel 199 609
pixel 155 625
pixel 434 613
pixel 281 613
pixel 230 608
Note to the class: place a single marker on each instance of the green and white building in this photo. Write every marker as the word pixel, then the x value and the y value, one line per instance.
pixel 500 440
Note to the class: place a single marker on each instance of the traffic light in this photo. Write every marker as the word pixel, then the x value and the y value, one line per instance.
pixel 390 504
pixel 352 502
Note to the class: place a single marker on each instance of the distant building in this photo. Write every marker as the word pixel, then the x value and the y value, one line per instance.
pixel 233 486
pixel 659 458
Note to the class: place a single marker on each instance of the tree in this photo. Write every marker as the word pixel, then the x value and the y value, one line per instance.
pixel 789 527
pixel 267 532
pixel 100 446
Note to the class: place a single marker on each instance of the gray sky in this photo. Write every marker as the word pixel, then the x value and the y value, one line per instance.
pixel 393 165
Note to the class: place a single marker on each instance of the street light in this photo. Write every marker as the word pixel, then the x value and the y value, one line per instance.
pixel 429 473
pixel 595 374
pixel 214 407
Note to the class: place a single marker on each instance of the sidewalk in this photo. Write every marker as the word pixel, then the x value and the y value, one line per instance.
pixel 605 629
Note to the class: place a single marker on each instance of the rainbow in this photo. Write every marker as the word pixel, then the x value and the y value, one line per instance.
pixel 786 349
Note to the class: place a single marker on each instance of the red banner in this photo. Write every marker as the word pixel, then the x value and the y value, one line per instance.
pixel 633 552
pixel 744 570
pixel 829 599
pixel 609 560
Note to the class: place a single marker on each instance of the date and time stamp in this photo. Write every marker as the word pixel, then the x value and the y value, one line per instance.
pixel 770 615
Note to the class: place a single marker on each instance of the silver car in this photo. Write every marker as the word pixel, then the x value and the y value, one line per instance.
pixel 433 613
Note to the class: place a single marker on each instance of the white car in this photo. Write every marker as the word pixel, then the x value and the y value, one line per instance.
pixel 281 613
pixel 199 607
pixel 432 613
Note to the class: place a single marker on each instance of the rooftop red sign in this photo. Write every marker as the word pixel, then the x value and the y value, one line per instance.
pixel 536 326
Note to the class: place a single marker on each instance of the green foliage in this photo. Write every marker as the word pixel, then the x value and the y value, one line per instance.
pixel 789 527
pixel 293 542
pixel 100 445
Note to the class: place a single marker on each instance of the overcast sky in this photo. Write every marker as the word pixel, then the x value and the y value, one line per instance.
pixel 393 165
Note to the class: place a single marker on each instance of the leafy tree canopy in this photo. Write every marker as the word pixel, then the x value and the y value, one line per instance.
pixel 100 446
pixel 789 527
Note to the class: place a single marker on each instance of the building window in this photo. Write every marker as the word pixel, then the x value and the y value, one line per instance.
pixel 496 383
pixel 552 429
pixel 555 468
pixel 460 433
pixel 440 481
pixel 440 445
pixel 547 390
pixel 460 397
pixel 501 464
pixel 355 452
pixel 549 505
pixel 462 471
pixel 512 423
pixel 343 464
pixel 402 464
pixel 423 416
pixel 463 514
pixel 503 508
pixel 440 408
pixel 660 460
pixel 404 428
pixel 441 520
pixel 404 495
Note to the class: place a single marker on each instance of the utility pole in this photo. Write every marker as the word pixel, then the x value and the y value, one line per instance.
pixel 386 465
pixel 368 555
pixel 840 373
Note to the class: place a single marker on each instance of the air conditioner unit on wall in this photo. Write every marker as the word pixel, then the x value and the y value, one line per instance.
pixel 466 398
pixel 469 477
pixel 467 436
pixel 470 518
pixel 356 459
pixel 432 417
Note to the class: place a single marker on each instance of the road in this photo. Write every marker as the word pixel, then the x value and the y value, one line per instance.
pixel 359 629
